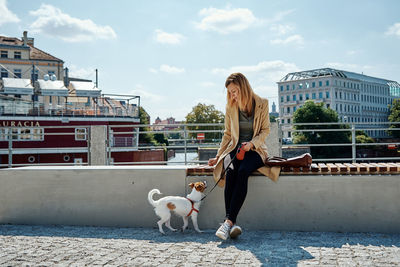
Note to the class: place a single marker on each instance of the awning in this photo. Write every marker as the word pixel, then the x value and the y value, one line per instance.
pixel 87 89
pixel 55 88
pixel 17 86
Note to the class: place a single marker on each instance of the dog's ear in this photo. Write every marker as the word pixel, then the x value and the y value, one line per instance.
pixel 191 185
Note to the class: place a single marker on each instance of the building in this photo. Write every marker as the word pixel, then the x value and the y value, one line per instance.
pixel 357 98
pixel 274 112
pixel 21 59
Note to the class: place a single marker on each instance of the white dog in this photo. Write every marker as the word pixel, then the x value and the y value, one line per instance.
pixel 184 206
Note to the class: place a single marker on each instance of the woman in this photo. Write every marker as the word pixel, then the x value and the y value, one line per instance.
pixel 246 124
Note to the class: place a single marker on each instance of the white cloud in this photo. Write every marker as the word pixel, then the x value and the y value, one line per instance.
pixel 146 96
pixel 53 22
pixel 394 30
pixel 226 20
pixel 6 15
pixel 168 38
pixel 267 67
pixel 83 73
pixel 171 69
pixel 153 70
pixel 280 16
pixel 281 29
pixel 295 39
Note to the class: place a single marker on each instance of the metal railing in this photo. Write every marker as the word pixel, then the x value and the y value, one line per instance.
pixel 19 142
pixel 352 128
pixel 182 139
pixel 185 142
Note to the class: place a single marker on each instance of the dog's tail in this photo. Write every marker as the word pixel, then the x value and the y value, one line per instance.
pixel 150 196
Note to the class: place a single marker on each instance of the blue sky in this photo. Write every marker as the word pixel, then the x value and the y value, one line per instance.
pixel 175 54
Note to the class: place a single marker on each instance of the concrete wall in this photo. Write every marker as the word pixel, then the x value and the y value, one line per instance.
pixel 117 196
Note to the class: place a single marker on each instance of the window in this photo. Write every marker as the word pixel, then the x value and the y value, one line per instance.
pixel 327 94
pixel 300 86
pixel 4 54
pixel 313 84
pixel 320 83
pixel 80 134
pixel 4 73
pixel 314 96
pixel 288 109
pixel 282 99
pixel 287 87
pixel 281 88
pixel 320 95
pixel 327 83
pixel 294 97
pixel 288 120
pixel 17 54
pixel 307 96
pixel 301 97
pixel 18 73
pixel 22 134
pixel 3 134
pixel 293 86
pixel 294 109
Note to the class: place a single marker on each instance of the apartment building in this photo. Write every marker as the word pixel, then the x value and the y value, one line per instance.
pixel 357 98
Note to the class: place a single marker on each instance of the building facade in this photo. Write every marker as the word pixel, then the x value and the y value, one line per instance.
pixel 357 98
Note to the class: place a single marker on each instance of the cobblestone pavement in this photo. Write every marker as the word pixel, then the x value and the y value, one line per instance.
pixel 80 246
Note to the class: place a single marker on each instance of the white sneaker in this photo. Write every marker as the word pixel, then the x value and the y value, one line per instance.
pixel 223 231
pixel 235 231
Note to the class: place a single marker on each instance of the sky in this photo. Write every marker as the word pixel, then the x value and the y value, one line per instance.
pixel 175 54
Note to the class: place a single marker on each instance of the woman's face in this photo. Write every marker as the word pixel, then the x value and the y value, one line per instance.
pixel 233 91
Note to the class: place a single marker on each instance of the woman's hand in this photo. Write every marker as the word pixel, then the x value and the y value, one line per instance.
pixel 213 161
pixel 247 146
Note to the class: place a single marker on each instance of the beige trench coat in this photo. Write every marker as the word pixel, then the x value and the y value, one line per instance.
pixel 231 137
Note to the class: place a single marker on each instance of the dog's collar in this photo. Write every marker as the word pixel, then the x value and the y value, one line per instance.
pixel 193 209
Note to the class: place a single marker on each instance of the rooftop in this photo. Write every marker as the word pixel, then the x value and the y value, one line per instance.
pixel 329 72
pixel 35 53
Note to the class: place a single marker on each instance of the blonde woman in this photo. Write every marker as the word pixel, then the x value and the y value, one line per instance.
pixel 246 124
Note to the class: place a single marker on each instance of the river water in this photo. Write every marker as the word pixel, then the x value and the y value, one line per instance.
pixel 180 157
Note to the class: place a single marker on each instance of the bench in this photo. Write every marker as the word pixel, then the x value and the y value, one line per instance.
pixel 318 168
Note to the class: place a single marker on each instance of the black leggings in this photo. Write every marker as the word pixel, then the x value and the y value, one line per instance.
pixel 236 182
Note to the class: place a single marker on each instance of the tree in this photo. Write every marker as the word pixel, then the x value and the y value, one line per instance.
pixel 394 117
pixel 202 113
pixel 147 138
pixel 312 113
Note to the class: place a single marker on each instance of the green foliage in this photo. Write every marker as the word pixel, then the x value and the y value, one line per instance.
pixel 147 138
pixel 394 117
pixel 202 113
pixel 313 113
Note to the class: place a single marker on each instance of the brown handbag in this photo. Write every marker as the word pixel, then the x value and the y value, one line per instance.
pixel 303 160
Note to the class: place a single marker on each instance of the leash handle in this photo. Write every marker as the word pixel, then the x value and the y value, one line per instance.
pixel 222 174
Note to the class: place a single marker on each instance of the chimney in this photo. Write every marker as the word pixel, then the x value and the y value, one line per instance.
pixel 25 38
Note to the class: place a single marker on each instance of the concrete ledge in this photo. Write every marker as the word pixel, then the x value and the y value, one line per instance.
pixel 117 196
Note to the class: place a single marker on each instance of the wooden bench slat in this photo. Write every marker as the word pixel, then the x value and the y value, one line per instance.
pixel 380 167
pixel 350 167
pixel 332 167
pixel 360 168
pixel 342 168
pixel 323 167
pixel 370 167
pixel 392 167
pixel 314 167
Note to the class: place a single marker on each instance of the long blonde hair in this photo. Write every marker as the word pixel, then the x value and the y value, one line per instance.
pixel 245 91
